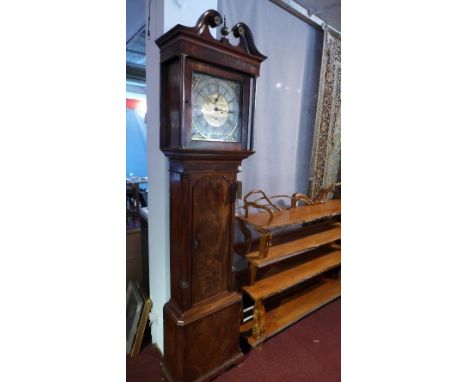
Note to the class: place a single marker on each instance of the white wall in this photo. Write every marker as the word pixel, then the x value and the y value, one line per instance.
pixel 286 95
pixel 164 14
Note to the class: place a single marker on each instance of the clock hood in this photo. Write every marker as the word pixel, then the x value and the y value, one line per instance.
pixel 197 42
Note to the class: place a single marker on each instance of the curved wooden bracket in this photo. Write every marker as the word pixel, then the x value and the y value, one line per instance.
pixel 244 34
pixel 210 18
pixel 297 197
pixel 269 207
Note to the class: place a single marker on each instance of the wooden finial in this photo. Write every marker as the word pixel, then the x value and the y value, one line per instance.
pixel 225 30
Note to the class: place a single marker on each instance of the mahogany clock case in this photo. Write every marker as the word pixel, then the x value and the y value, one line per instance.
pixel 202 318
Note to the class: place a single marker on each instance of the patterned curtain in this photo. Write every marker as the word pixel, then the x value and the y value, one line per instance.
pixel 325 169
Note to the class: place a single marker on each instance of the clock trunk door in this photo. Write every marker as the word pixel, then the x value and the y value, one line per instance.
pixel 211 234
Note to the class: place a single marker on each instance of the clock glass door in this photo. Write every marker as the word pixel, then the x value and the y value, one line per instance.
pixel 216 108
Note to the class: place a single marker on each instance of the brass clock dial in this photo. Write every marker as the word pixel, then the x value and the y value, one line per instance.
pixel 215 109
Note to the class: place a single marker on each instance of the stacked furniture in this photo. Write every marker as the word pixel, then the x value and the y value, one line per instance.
pixel 136 198
pixel 292 273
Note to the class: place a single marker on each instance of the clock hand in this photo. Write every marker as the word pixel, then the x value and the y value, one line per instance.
pixel 223 110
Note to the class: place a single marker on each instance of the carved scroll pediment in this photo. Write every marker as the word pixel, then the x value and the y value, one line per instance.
pixel 212 18
pixel 242 31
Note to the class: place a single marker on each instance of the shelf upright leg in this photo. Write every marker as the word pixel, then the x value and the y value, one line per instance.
pixel 247 236
pixel 253 273
pixel 259 321
pixel 265 243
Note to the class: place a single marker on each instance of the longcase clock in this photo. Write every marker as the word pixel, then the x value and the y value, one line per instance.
pixel 207 110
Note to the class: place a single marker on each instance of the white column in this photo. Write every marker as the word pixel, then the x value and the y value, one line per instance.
pixel 164 14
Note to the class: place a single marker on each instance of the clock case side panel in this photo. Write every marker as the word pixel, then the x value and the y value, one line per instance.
pixel 191 66
pixel 171 103
pixel 180 235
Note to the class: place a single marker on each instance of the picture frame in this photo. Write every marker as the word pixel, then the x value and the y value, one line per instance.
pixel 147 305
pixel 135 304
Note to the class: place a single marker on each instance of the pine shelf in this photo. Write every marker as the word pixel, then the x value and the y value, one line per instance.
pixel 316 237
pixel 292 309
pixel 281 219
pixel 323 260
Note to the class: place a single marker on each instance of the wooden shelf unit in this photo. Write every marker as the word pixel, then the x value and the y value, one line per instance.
pixel 309 252
pixel 292 309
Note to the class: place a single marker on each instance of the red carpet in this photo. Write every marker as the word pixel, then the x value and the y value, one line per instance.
pixel 308 351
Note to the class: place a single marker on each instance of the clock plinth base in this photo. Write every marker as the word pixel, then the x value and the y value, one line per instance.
pixel 203 341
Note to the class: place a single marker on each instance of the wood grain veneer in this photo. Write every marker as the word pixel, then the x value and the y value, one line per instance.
pixel 293 216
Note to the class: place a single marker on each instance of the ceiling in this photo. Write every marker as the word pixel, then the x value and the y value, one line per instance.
pixel 135 17
pixel 327 10
pixel 136 49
